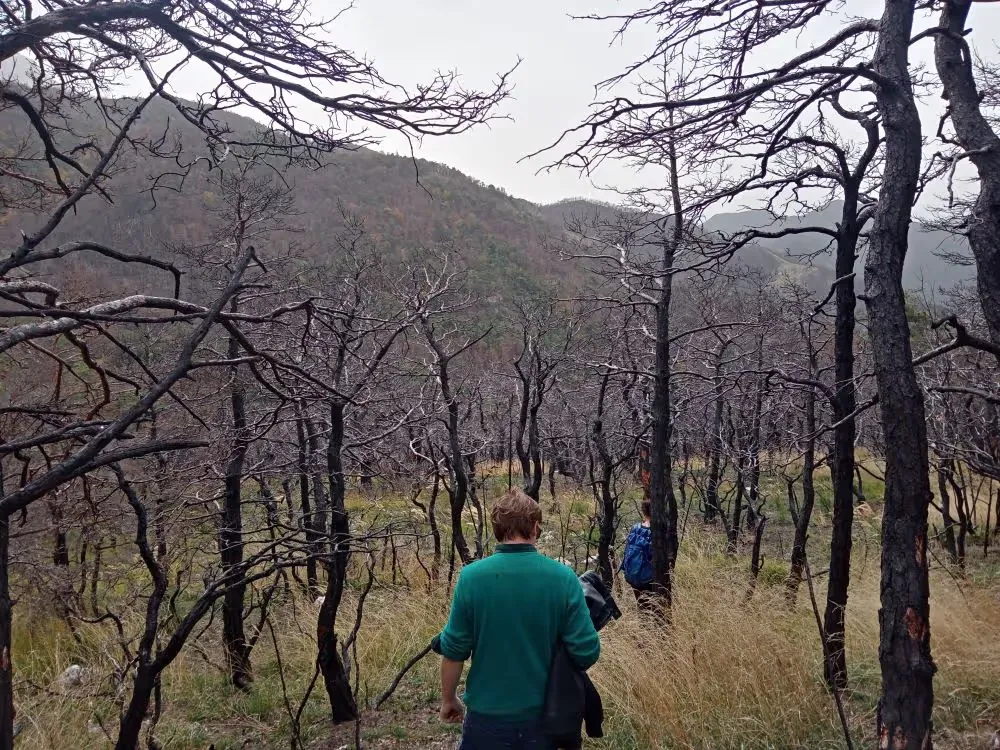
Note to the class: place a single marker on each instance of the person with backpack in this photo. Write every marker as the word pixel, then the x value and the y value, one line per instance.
pixel 637 560
pixel 510 614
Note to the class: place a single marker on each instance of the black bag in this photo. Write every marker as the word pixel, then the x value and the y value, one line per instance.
pixel 600 602
pixel 570 696
pixel 565 702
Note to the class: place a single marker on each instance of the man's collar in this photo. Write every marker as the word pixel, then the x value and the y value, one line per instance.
pixel 515 548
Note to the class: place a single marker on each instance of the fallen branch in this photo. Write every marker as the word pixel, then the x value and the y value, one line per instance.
pixel 399 678
pixel 822 635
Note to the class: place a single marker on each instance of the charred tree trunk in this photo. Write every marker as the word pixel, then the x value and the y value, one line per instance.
pixel 607 511
pixel 458 490
pixel 234 639
pixel 753 494
pixel 756 556
pixel 904 713
pixel 534 437
pixel 6 626
pixel 343 706
pixel 532 394
pixel 480 520
pixel 524 408
pixel 130 726
pixel 734 527
pixel 974 134
pixel 321 511
pixel 842 464
pixel 663 502
pixel 148 666
pixel 435 531
pixel 950 543
pixel 808 502
pixel 60 546
pixel 312 579
pixel 962 508
pixel 713 508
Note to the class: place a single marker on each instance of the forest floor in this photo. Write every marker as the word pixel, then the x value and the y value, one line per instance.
pixel 730 674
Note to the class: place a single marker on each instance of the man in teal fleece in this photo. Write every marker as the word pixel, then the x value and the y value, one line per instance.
pixel 508 613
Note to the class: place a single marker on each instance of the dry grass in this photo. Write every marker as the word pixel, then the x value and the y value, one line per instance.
pixel 727 674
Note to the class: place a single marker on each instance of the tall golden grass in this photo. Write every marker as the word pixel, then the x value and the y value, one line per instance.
pixel 727 673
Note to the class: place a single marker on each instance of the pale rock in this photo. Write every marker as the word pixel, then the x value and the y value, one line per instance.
pixel 72 677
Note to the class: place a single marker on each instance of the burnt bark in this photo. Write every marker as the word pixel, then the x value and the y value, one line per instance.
pixel 733 532
pixel 663 502
pixel 804 516
pixel 336 680
pixel 753 451
pixel 321 509
pixel 954 62
pixel 962 508
pixel 148 665
pixel 607 509
pixel 842 460
pixel 756 556
pixel 6 625
pixel 904 712
pixel 479 521
pixel 713 507
pixel 60 545
pixel 237 648
pixel 458 489
pixel 528 443
pixel 312 542
pixel 944 498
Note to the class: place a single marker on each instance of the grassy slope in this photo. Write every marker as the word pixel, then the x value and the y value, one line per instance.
pixel 728 675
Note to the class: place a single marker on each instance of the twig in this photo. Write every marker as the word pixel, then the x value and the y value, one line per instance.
pixel 399 678
pixel 822 635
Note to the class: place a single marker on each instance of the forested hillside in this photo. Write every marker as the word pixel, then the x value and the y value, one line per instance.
pixel 269 396
pixel 508 243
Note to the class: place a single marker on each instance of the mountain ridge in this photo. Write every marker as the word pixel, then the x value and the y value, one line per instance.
pixel 412 203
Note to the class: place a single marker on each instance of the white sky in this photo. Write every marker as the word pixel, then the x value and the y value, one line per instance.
pixel 562 60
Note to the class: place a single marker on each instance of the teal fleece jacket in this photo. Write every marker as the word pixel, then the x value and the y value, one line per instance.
pixel 508 613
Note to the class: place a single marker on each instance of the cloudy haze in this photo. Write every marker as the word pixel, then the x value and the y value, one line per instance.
pixel 562 59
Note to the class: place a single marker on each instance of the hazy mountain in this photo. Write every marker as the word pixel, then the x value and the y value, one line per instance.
pixel 923 263
pixel 505 241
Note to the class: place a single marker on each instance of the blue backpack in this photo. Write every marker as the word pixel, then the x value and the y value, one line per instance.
pixel 637 561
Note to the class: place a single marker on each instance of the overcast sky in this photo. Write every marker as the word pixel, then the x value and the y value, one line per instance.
pixel 562 60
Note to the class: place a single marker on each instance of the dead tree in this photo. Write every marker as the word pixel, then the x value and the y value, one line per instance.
pixel 545 338
pixel 428 298
pixel 352 341
pixel 977 141
pixel 904 716
pixel 802 514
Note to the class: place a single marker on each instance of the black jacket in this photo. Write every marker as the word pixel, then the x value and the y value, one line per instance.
pixel 571 700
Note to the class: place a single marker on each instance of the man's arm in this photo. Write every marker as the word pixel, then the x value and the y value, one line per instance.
pixel 579 633
pixel 452 710
pixel 456 646
pixel 457 636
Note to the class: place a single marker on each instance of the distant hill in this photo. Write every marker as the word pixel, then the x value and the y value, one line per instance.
pixel 923 264
pixel 756 255
pixel 505 241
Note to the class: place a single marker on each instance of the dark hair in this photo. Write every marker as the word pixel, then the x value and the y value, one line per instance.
pixel 515 516
pixel 647 509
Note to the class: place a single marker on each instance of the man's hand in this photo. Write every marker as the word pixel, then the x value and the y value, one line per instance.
pixel 452 710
